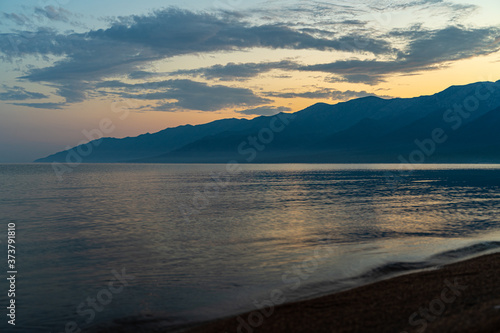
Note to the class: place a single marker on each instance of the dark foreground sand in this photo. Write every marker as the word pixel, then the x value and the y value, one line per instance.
pixel 461 297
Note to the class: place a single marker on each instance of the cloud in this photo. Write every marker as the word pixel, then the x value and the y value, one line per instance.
pixel 37 17
pixel 371 79
pixel 138 75
pixel 19 19
pixel 354 22
pixel 323 94
pixel 53 13
pixel 20 94
pixel 451 7
pixel 174 32
pixel 426 50
pixel 264 110
pixel 73 92
pixel 241 71
pixel 52 106
pixel 189 95
pixel 134 41
pixel 451 43
pixel 41 42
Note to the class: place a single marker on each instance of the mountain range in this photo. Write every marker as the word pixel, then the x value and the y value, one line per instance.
pixel 458 125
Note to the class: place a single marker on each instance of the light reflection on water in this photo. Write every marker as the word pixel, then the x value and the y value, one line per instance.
pixel 237 246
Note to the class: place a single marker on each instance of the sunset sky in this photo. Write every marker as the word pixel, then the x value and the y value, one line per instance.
pixel 148 65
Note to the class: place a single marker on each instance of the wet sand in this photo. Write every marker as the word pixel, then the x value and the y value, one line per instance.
pixel 460 297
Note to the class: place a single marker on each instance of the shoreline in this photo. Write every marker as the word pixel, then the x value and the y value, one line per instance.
pixel 458 297
pixel 463 296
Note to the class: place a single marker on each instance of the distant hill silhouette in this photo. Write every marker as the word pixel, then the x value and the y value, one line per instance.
pixel 365 130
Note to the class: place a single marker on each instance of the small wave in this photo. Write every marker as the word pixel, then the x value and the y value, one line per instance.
pixel 443 258
pixel 391 269
pixel 142 323
pixel 395 268
pixel 467 251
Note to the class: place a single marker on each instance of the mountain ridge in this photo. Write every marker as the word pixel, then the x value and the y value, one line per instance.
pixel 368 129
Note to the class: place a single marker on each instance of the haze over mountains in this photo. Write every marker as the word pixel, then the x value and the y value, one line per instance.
pixel 460 125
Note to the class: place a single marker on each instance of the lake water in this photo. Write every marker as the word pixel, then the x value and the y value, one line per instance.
pixel 198 242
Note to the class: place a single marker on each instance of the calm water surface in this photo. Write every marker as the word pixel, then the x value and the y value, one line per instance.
pixel 203 243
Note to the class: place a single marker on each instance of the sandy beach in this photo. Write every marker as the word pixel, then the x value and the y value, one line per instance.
pixel 460 297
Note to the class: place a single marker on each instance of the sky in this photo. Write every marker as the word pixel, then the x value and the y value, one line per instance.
pixel 73 70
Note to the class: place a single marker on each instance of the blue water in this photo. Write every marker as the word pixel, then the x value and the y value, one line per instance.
pixel 202 242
